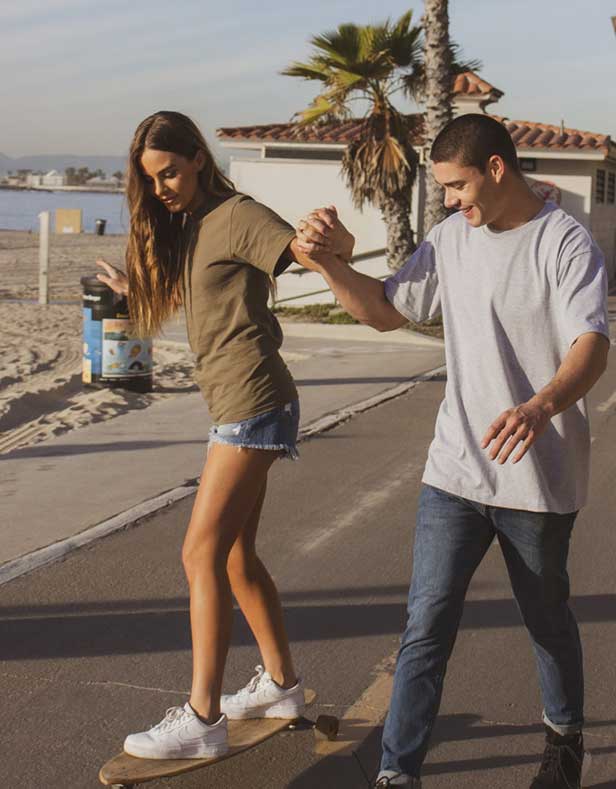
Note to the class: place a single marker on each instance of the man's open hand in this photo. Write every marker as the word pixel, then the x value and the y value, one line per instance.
pixel 517 428
pixel 322 231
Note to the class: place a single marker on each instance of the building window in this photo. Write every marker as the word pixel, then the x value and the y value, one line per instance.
pixel 600 187
pixel 528 165
pixel 611 187
pixel 304 153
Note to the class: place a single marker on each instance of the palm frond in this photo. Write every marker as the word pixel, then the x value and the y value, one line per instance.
pixel 311 71
pixel 320 107
pixel 459 63
pixel 381 162
pixel 341 45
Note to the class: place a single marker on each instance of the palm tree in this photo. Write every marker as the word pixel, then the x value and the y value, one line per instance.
pixel 438 56
pixel 372 63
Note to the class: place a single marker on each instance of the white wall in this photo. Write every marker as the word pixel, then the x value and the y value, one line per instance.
pixel 574 179
pixel 603 223
pixel 293 188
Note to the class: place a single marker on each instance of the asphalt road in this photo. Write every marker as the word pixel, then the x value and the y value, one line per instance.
pixel 98 645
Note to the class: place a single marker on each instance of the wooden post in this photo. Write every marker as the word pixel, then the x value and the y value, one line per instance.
pixel 43 297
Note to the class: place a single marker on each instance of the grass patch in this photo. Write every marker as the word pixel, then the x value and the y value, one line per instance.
pixel 330 313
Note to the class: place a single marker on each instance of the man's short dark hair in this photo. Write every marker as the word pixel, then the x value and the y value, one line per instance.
pixel 470 140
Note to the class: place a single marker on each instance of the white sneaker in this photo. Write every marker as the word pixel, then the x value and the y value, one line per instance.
pixel 263 698
pixel 387 778
pixel 180 735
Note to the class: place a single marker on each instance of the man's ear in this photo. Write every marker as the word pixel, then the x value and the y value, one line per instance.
pixel 496 166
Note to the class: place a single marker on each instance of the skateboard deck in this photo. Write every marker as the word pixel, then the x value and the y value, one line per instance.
pixel 126 771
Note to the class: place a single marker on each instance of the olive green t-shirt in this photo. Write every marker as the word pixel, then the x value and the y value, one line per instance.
pixel 231 249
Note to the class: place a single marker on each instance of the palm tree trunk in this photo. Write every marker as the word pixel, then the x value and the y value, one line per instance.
pixel 397 217
pixel 438 97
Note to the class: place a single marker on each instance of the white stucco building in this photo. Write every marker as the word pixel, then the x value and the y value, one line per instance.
pixel 295 169
pixel 49 180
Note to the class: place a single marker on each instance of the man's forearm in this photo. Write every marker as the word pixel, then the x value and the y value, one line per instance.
pixel 361 296
pixel 581 368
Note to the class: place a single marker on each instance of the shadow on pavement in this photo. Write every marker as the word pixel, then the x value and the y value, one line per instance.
pixel 59 450
pixel 353 770
pixel 129 627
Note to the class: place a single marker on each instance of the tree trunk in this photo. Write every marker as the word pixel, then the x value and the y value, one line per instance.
pixel 438 97
pixel 397 217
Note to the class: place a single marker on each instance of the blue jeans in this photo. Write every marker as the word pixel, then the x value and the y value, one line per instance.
pixel 451 538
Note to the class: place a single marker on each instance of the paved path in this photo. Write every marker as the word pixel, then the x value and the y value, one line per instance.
pixel 59 488
pixel 98 645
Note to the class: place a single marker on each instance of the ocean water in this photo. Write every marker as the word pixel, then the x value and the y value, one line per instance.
pixel 19 210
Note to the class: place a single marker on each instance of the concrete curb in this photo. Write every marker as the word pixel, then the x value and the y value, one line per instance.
pixel 58 550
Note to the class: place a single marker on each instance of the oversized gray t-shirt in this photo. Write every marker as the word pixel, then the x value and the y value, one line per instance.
pixel 512 302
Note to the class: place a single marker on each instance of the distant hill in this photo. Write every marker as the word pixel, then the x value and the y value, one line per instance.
pixel 108 164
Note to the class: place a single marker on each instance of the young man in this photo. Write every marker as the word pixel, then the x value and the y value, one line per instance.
pixel 522 289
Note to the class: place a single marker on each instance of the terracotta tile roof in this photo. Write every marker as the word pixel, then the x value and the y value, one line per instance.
pixel 469 84
pixel 527 135
pixel 333 133
pixel 544 136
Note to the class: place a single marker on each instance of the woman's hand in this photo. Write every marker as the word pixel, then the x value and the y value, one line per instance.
pixel 322 231
pixel 114 278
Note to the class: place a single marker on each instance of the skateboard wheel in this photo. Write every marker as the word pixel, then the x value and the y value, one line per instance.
pixel 326 727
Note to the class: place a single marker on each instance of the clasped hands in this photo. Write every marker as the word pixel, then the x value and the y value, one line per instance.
pixel 321 236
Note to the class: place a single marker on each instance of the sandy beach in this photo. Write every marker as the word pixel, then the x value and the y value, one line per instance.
pixel 41 394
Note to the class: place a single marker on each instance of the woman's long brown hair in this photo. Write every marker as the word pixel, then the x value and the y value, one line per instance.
pixel 153 263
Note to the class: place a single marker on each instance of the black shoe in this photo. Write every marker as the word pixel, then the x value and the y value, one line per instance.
pixel 563 760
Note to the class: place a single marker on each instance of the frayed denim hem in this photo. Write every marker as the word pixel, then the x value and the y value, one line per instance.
pixel 291 452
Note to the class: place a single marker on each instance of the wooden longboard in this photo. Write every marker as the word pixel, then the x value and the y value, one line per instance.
pixel 125 770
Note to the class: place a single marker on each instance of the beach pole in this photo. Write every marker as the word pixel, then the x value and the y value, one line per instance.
pixel 43 297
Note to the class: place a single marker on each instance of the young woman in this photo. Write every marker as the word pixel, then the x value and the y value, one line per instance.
pixel 195 242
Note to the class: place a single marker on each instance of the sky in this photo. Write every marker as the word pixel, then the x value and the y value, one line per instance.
pixel 77 76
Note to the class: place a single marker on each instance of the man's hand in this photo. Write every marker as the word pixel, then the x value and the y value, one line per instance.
pixel 322 232
pixel 517 427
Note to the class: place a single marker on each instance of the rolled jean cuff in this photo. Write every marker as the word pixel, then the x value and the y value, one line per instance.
pixel 564 729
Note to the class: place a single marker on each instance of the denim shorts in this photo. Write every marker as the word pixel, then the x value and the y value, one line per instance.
pixel 276 429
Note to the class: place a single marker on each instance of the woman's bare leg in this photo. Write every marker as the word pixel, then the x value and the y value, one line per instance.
pixel 231 485
pixel 258 598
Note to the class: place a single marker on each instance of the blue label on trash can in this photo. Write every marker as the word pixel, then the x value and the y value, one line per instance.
pixel 92 346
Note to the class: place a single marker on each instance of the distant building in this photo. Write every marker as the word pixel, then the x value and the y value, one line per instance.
pixel 34 179
pixel 295 169
pixel 49 180
pixel 102 182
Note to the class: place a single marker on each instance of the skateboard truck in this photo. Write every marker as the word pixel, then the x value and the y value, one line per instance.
pixel 325 727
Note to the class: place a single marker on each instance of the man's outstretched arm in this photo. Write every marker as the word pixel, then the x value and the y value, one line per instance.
pixel 519 427
pixel 361 296
pixel 325 245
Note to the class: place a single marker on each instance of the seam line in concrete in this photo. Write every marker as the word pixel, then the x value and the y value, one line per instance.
pixel 58 550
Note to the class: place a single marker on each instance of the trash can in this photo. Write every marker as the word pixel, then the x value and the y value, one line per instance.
pixel 112 357
pixel 100 225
